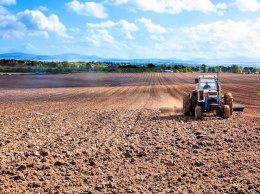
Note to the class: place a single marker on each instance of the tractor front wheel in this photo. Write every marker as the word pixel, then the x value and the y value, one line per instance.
pixel 198 114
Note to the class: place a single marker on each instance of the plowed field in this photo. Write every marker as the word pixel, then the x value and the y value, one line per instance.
pixel 104 133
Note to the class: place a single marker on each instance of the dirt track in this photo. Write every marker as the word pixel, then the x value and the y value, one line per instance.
pixel 103 133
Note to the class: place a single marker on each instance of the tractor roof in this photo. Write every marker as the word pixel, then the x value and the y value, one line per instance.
pixel 207 77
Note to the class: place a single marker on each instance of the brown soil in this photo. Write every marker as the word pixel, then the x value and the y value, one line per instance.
pixel 104 133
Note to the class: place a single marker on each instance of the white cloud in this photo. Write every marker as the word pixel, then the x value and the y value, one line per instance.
pixel 37 21
pixel 218 39
pixel 97 37
pixel 153 5
pixel 107 24
pixel 118 2
pixel 42 8
pixel 7 2
pixel 10 27
pixel 152 28
pixel 122 27
pixel 110 37
pixel 221 6
pixel 88 9
pixel 158 38
pixel 248 5
pixel 128 26
pixel 30 23
pixel 236 38
pixel 198 5
pixel 3 10
pixel 171 6
pixel 75 30
pixel 29 46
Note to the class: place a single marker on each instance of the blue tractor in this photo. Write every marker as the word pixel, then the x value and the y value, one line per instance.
pixel 207 99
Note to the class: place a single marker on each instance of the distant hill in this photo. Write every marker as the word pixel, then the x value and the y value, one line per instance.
pixel 61 57
pixel 241 61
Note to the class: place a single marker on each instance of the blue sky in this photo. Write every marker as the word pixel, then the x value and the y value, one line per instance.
pixel 182 29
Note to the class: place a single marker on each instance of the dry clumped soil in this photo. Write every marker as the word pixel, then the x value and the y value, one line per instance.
pixel 104 133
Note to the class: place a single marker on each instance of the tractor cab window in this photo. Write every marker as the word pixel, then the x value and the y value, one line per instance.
pixel 207 84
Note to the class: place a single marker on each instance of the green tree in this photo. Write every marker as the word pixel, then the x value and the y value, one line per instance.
pixel 163 66
pixel 212 69
pixel 88 66
pixel 219 69
pixel 235 69
pixel 60 68
pixel 196 69
pixel 204 68
pixel 150 65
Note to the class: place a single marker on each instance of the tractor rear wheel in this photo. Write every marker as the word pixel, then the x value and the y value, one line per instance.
pixel 226 112
pixel 186 104
pixel 229 101
pixel 198 114
pixel 193 103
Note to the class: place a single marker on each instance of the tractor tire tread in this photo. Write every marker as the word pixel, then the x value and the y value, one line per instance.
pixel 186 104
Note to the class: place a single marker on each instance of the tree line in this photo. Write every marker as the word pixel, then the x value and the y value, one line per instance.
pixel 45 67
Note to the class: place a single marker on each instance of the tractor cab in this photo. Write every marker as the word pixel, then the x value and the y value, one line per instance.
pixel 207 80
pixel 207 83
pixel 208 90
